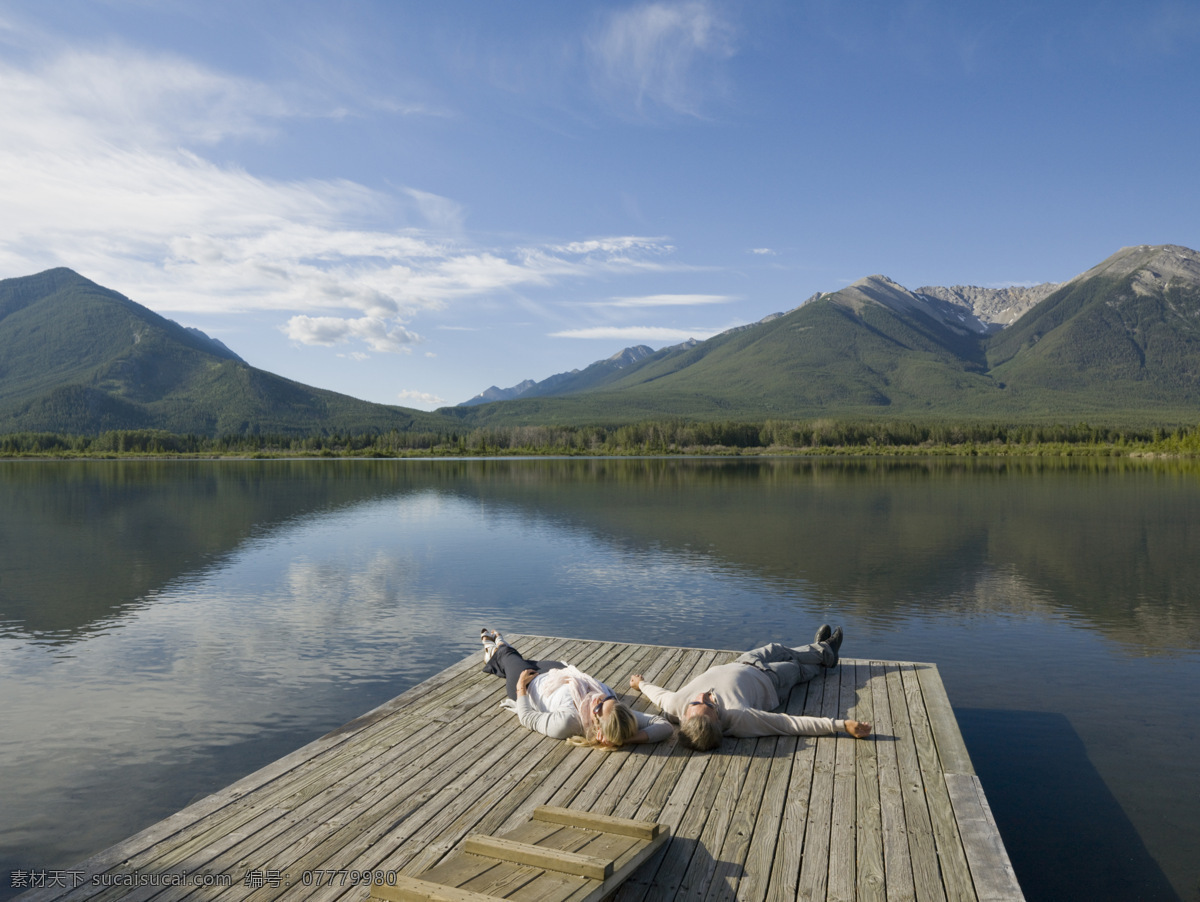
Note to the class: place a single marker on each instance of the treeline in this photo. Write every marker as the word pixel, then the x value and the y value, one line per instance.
pixel 820 436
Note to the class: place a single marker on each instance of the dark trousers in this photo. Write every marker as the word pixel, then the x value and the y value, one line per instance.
pixel 508 664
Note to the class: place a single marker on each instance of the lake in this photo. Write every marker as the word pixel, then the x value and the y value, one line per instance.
pixel 167 627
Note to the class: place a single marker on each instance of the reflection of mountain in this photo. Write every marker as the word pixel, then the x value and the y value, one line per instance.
pixel 119 532
pixel 1111 542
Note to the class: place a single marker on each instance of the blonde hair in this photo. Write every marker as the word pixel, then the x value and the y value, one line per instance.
pixel 700 733
pixel 618 727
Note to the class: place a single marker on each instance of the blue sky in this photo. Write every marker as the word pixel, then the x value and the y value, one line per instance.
pixel 409 202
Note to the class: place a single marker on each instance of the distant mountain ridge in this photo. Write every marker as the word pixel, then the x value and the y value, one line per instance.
pixel 1120 339
pixel 1119 342
pixel 565 383
pixel 981 310
pixel 79 358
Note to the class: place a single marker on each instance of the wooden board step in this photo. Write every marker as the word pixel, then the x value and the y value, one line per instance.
pixel 559 855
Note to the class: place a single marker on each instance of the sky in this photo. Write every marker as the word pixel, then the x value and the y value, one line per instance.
pixel 409 202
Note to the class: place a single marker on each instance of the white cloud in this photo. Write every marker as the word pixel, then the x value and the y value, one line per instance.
pixel 612 246
pixel 763 251
pixel 101 170
pixel 377 334
pixel 440 212
pixel 420 397
pixel 662 54
pixel 671 300
pixel 637 333
pixel 130 99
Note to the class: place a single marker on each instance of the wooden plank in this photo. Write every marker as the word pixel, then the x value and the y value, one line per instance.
pixel 618 852
pixel 600 822
pixel 843 871
pixel 752 887
pixel 701 870
pixel 927 878
pixel 684 806
pixel 815 864
pixel 952 860
pixel 685 845
pixel 952 750
pixel 898 874
pixel 746 802
pixel 550 859
pixel 624 867
pixel 991 870
pixel 784 882
pixel 870 885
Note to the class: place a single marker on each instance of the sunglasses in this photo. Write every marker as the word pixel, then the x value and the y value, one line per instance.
pixel 706 704
pixel 599 706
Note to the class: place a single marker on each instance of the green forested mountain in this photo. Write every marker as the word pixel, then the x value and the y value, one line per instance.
pixel 1125 334
pixel 1119 341
pixel 79 358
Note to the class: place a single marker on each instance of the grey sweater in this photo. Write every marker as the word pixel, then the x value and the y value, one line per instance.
pixel 745 698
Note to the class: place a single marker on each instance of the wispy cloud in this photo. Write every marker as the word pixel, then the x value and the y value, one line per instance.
pixel 662 55
pixel 637 333
pixel 763 251
pixel 420 397
pixel 669 300
pixel 105 168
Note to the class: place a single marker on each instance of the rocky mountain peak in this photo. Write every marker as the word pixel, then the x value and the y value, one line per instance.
pixel 1153 267
pixel 995 307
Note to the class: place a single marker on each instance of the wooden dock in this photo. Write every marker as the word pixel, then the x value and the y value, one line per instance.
pixel 900 816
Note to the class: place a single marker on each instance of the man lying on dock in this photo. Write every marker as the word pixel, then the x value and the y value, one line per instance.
pixel 738 699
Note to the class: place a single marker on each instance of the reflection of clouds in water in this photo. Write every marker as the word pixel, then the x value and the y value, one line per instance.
pixel 302 630
pixel 669 598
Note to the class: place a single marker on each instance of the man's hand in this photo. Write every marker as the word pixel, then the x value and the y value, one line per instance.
pixel 526 678
pixel 635 682
pixel 858 729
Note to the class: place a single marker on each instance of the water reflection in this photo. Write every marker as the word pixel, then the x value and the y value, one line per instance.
pixel 168 627
pixel 1110 543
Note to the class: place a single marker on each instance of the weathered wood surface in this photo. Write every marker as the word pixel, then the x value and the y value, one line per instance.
pixel 901 816
pixel 560 855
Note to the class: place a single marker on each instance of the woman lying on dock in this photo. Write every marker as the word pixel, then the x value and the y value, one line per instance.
pixel 564 703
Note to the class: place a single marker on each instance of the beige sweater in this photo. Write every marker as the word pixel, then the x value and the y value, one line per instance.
pixel 745 699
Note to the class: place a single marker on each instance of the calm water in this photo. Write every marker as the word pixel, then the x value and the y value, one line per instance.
pixel 166 628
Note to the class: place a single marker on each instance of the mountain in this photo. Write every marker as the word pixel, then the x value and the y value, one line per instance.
pixel 565 383
pixel 79 358
pixel 994 307
pixel 595 376
pixel 1119 340
pixel 1126 333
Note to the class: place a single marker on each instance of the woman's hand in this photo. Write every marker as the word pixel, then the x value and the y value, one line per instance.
pixel 524 680
pixel 635 682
